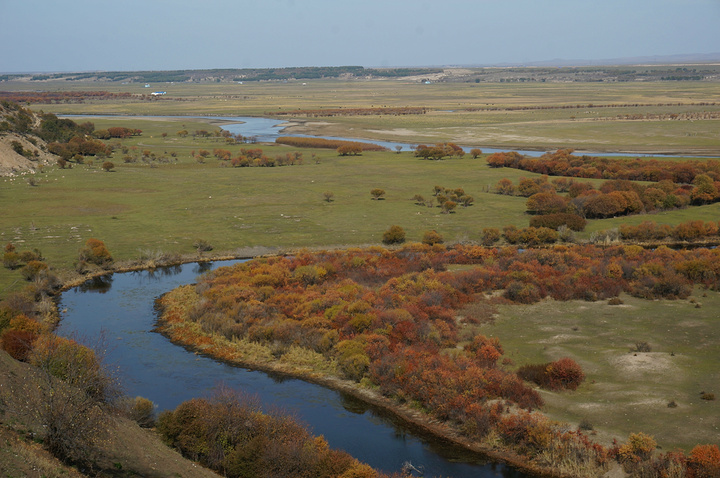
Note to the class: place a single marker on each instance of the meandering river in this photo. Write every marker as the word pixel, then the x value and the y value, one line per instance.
pixel 120 307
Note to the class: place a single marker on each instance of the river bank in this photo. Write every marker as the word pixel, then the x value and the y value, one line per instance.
pixel 217 349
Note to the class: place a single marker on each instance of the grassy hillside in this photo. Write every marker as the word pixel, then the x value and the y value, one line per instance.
pixel 126 450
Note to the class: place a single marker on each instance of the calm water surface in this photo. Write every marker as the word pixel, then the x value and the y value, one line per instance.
pixel 120 307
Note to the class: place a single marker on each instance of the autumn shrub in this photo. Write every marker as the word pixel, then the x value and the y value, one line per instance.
pixel 18 343
pixel 533 236
pixel 704 462
pixel 74 390
pixel 554 221
pixel 73 363
pixel 490 235
pixel 356 147
pixel 352 359
pixel 229 434
pixel 487 351
pixel 11 260
pixel 33 269
pixel 563 374
pixel 394 235
pixel 142 411
pixel 377 193
pixel 432 237
pixel 95 252
pixel 661 284
pixel 635 454
pixel 522 293
pixel 511 234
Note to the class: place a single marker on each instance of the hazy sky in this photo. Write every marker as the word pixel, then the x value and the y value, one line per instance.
pixel 86 35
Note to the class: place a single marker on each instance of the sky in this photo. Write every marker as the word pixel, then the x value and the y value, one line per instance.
pixel 103 35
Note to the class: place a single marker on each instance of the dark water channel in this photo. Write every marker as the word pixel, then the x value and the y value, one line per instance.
pixel 120 307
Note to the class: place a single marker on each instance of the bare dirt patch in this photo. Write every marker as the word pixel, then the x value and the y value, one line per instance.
pixel 12 163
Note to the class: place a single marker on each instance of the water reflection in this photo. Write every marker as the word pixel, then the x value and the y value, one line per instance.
pixel 99 284
pixel 203 267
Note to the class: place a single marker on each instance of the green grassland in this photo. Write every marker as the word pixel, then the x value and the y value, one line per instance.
pixel 143 208
pixel 167 206
pixel 585 128
pixel 626 391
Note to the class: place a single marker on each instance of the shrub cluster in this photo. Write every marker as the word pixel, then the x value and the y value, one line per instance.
pixel 327 143
pixel 387 319
pixel 251 157
pixel 228 433
pixel 563 374
pixel 686 231
pixel 439 151
pixel 554 221
pixel 564 163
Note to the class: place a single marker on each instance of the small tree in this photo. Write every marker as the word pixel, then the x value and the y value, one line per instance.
pixel 394 235
pixel 328 195
pixel 108 166
pixel 475 152
pixel 377 193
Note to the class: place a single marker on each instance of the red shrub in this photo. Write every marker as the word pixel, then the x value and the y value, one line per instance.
pixel 18 343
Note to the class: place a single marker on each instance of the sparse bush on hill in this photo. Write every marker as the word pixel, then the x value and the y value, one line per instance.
pixel 229 434
pixel 68 404
pixel 142 411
